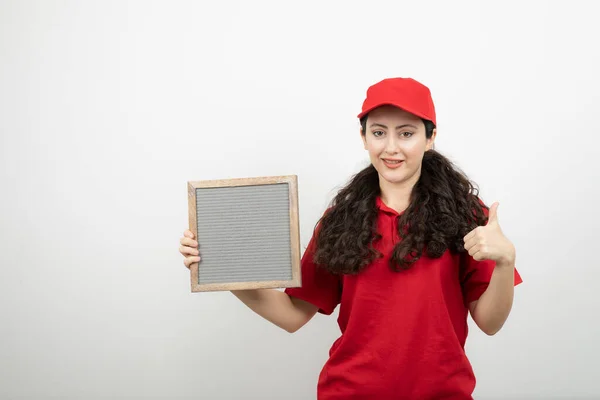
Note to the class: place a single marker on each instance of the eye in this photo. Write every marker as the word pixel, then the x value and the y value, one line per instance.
pixel 406 134
pixel 378 133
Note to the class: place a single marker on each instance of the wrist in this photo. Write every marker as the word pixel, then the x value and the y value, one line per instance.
pixel 506 262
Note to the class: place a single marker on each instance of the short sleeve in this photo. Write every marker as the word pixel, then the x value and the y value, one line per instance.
pixel 476 276
pixel 319 287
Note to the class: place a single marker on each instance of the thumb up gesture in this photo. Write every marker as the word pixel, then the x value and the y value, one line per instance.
pixel 489 243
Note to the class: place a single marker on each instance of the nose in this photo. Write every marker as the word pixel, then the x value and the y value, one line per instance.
pixel 391 145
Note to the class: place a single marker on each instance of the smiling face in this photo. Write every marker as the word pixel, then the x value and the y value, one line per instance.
pixel 396 142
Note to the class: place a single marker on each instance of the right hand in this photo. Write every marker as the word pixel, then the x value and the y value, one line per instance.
pixel 189 249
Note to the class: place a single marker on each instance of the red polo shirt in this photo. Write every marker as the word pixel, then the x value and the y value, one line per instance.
pixel 402 334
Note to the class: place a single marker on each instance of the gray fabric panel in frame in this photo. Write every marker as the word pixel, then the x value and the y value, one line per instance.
pixel 244 233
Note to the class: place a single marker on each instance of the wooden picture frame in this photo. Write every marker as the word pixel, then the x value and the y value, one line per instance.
pixel 247 231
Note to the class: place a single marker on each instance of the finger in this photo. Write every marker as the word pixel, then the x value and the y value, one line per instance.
pixel 493 214
pixel 188 261
pixel 475 249
pixel 185 250
pixel 470 243
pixel 471 234
pixel 479 256
pixel 188 242
pixel 189 234
pixel 480 252
pixel 468 237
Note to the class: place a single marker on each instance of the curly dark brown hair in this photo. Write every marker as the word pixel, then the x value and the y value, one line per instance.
pixel 444 207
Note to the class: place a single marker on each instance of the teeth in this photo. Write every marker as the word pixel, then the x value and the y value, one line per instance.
pixel 392 161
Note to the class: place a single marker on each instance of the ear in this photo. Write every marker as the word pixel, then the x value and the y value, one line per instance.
pixel 431 141
pixel 364 138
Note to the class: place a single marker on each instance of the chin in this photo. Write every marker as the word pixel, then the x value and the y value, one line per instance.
pixel 393 179
pixel 392 176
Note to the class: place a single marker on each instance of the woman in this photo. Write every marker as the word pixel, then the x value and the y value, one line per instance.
pixel 408 250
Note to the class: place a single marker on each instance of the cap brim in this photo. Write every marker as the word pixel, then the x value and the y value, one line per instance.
pixel 407 109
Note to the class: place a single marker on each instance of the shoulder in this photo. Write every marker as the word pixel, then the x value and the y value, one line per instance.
pixel 479 205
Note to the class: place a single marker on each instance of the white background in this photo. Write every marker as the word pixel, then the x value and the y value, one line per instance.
pixel 107 109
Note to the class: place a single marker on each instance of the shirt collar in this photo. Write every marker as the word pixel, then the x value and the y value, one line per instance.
pixel 383 207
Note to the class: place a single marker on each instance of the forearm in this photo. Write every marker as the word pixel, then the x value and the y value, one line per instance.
pixel 494 305
pixel 277 307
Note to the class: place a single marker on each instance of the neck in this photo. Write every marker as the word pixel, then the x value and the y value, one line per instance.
pixel 397 195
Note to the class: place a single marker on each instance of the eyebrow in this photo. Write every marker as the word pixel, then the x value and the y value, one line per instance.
pixel 398 127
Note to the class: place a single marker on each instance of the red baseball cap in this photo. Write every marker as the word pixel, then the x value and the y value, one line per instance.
pixel 405 93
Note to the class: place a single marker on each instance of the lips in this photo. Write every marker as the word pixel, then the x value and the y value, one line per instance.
pixel 392 163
